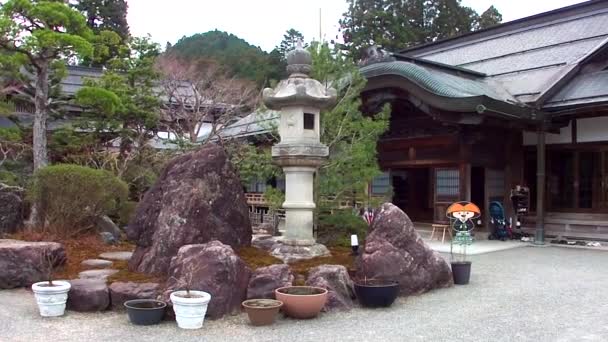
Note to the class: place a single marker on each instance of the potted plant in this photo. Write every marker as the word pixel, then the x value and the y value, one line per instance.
pixel 262 311
pixel 145 311
pixel 302 301
pixel 375 293
pixel 190 306
pixel 461 267
pixel 51 295
pixel 461 215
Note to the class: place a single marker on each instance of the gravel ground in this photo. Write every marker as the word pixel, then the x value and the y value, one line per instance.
pixel 523 294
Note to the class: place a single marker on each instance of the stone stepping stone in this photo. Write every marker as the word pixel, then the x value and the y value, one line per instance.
pixel 116 255
pixel 97 274
pixel 96 263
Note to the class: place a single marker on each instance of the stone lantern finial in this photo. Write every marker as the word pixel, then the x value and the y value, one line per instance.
pixel 299 61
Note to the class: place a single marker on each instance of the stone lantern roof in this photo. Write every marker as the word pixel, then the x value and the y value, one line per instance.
pixel 299 89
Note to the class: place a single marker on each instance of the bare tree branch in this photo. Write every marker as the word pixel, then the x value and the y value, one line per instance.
pixel 201 96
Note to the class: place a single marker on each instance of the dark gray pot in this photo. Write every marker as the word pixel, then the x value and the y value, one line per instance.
pixel 145 311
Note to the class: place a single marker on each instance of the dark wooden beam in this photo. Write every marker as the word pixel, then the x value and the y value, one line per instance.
pixel 405 143
pixel 418 163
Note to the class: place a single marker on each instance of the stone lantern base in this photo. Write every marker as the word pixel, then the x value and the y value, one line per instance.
pixel 289 252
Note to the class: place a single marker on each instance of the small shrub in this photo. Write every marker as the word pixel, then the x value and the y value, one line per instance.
pixel 69 197
pixel 336 228
pixel 125 212
pixel 9 178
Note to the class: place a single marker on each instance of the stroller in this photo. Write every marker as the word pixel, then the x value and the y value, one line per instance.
pixel 500 227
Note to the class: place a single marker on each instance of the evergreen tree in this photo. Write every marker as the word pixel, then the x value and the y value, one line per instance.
pixel 104 16
pixel 451 19
pixel 350 135
pixel 124 102
pixel 39 36
pixel 290 41
pixel 396 24
pixel 489 18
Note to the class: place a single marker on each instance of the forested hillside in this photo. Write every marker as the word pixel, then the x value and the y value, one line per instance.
pixel 235 54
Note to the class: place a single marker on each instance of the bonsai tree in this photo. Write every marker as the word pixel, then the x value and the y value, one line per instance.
pixel 48 262
pixel 186 282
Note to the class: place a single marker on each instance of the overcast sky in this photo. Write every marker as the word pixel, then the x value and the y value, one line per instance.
pixel 263 22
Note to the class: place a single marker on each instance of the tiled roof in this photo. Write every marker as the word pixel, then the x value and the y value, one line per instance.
pixel 256 123
pixel 530 55
pixel 76 78
pixel 446 88
pixel 584 89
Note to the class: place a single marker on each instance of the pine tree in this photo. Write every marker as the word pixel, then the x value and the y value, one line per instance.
pixel 124 101
pixel 489 18
pixel 104 16
pixel 39 36
pixel 351 135
pixel 289 42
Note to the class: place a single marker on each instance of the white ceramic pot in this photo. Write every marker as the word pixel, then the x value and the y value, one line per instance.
pixel 190 312
pixel 51 299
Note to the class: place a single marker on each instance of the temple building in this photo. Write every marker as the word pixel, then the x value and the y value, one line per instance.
pixel 521 103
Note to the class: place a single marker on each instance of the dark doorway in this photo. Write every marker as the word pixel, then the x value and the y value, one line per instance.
pixel 412 193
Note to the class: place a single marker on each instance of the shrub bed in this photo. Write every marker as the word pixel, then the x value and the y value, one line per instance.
pixel 70 197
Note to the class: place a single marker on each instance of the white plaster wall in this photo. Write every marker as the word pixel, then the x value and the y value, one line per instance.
pixel 592 129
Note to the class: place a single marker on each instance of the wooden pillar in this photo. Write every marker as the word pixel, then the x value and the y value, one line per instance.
pixel 464 170
pixel 540 186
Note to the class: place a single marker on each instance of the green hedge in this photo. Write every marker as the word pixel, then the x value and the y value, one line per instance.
pixel 69 197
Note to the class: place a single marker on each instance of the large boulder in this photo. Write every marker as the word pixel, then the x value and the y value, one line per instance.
pixel 340 288
pixel 197 198
pixel 214 268
pixel 120 292
pixel 394 251
pixel 88 295
pixel 265 280
pixel 23 263
pixel 12 208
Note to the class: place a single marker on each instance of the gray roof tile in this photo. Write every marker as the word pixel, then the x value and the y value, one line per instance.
pixel 529 55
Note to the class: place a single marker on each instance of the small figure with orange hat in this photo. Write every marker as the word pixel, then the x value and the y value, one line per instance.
pixel 462 215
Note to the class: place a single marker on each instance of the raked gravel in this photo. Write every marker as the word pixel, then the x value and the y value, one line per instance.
pixel 524 294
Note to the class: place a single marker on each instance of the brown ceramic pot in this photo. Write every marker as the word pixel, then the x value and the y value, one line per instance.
pixel 302 301
pixel 262 311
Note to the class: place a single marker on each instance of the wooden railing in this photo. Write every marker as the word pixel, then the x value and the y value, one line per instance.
pixel 254 198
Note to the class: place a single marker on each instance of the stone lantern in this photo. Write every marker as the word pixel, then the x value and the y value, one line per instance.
pixel 300 152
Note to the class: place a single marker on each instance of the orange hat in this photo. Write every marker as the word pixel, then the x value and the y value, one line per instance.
pixel 463 206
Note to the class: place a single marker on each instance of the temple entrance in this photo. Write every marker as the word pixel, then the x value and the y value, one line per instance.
pixel 412 193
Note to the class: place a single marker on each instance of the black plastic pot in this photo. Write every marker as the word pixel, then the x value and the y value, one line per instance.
pixel 145 311
pixel 461 271
pixel 375 293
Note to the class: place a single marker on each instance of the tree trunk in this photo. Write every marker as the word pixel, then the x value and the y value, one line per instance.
pixel 36 219
pixel 40 116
